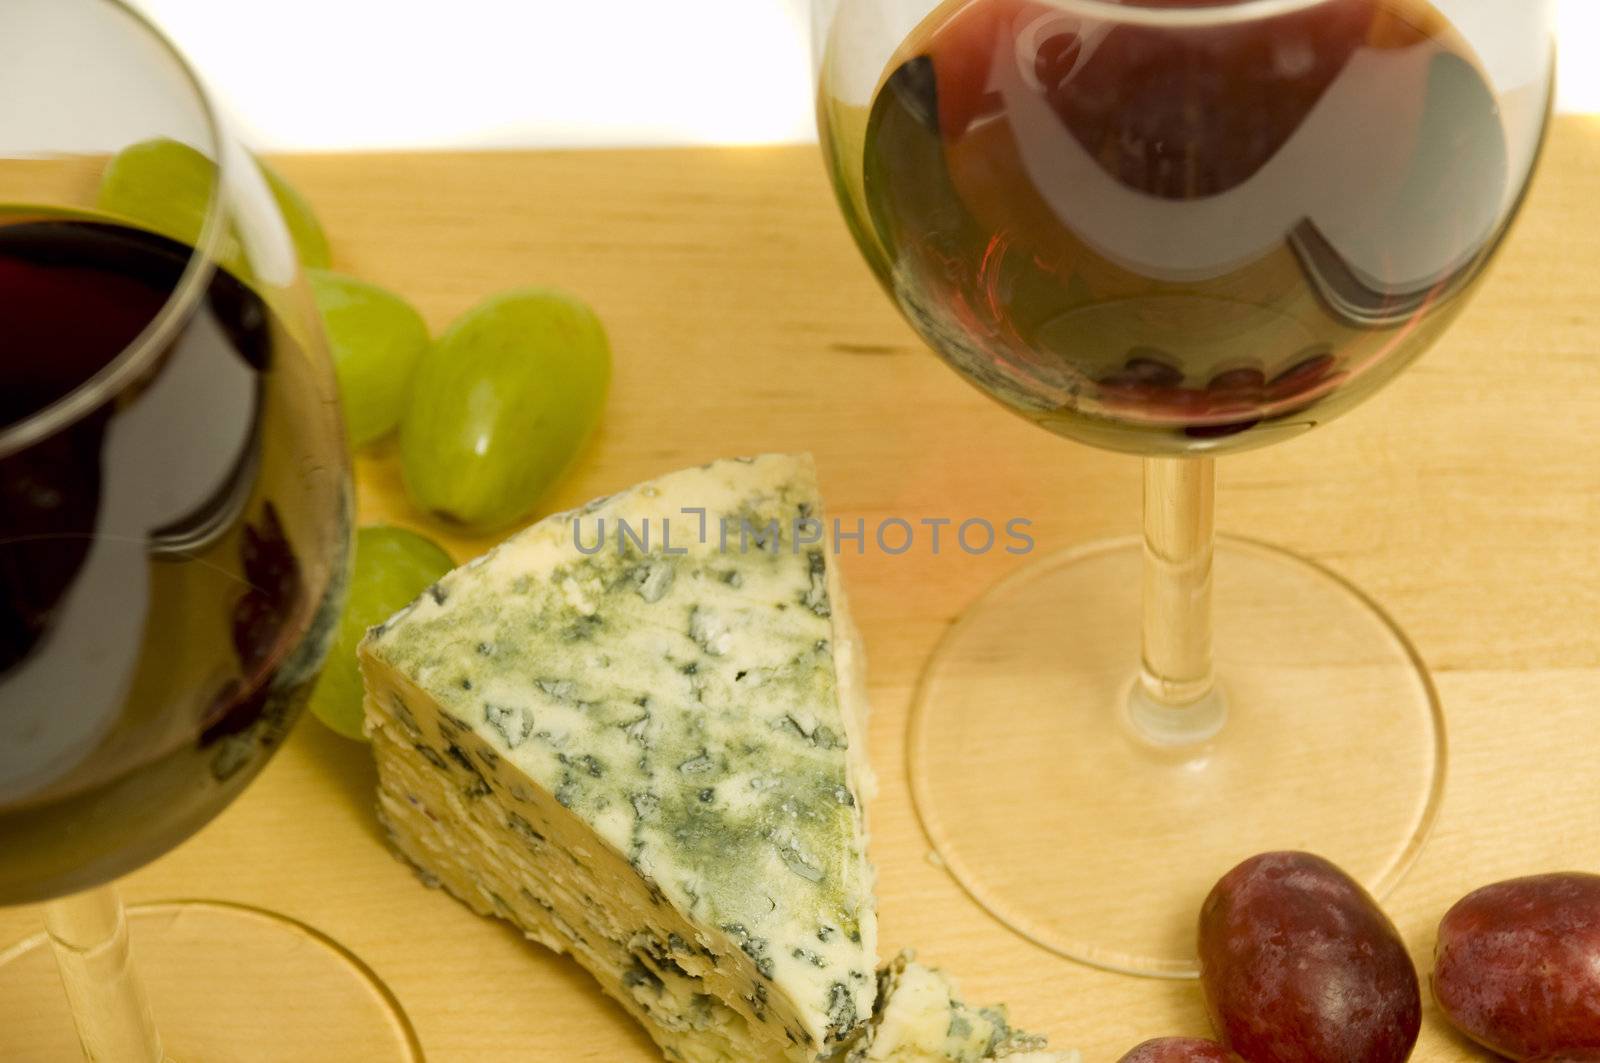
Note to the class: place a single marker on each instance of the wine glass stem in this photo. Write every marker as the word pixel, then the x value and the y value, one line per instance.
pixel 89 935
pixel 1176 700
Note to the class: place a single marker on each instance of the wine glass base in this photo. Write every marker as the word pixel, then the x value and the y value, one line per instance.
pixel 227 984
pixel 1057 815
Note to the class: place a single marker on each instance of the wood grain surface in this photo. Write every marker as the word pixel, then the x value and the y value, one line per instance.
pixel 1466 498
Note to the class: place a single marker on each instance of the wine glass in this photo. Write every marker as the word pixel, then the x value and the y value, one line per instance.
pixel 1175 229
pixel 175 524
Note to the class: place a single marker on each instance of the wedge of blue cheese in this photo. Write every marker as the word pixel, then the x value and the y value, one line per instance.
pixel 645 748
pixel 920 1018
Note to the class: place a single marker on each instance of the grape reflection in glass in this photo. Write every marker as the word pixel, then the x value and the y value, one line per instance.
pixel 1175 229
pixel 175 525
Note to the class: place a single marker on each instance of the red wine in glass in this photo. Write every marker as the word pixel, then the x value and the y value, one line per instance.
pixel 1161 238
pixel 164 588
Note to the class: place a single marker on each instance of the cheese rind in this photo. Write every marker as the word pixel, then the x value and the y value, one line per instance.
pixel 650 759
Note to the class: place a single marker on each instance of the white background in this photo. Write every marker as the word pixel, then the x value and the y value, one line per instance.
pixel 359 74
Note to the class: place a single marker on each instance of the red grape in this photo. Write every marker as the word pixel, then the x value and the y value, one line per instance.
pixel 1179 1050
pixel 1299 965
pixel 1246 383
pixel 1517 967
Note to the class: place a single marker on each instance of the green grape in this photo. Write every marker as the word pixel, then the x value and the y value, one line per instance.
pixel 391 567
pixel 501 405
pixel 166 185
pixel 375 338
pixel 310 242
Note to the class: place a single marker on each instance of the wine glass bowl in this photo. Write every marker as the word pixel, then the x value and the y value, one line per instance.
pixel 1176 229
pixel 174 553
